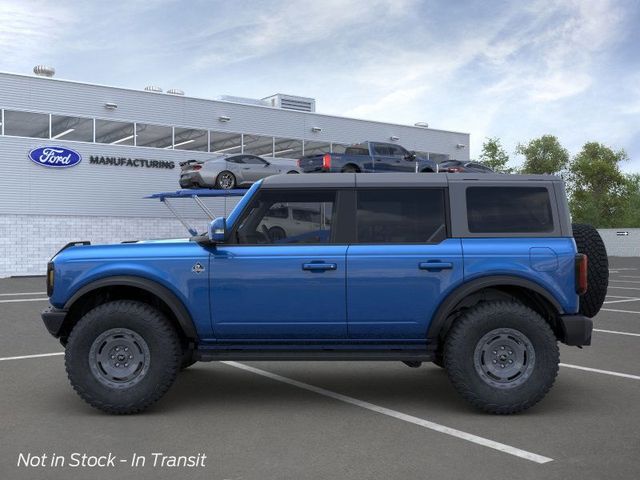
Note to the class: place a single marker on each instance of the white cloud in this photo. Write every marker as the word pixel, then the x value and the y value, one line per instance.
pixel 30 29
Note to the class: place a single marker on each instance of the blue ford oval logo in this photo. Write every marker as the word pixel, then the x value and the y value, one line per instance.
pixel 57 157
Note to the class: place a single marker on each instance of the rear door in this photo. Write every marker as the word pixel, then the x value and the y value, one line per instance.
pixel 402 263
pixel 280 280
pixel 383 159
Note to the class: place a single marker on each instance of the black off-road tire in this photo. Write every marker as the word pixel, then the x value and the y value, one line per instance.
pixel 468 334
pixel 150 328
pixel 590 243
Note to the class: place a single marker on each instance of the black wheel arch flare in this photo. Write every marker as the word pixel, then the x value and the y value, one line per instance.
pixel 441 322
pixel 176 306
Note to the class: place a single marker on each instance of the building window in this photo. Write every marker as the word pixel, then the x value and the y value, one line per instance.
pixel 225 143
pixel 190 139
pixel 258 145
pixel 157 136
pixel 509 210
pixel 71 128
pixel 287 148
pixel 26 124
pixel 316 148
pixel 115 133
pixel 400 216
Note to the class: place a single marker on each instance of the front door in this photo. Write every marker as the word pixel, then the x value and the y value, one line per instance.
pixel 402 263
pixel 256 168
pixel 281 278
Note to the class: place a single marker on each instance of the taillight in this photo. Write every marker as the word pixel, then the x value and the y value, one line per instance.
pixel 196 167
pixel 581 273
pixel 326 161
pixel 299 162
pixel 50 275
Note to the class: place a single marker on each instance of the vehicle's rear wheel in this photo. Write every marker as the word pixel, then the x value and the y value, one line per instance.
pixel 225 180
pixel 277 234
pixel 122 356
pixel 589 242
pixel 349 169
pixel 502 357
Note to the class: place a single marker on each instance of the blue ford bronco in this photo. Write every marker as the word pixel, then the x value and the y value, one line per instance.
pixel 481 274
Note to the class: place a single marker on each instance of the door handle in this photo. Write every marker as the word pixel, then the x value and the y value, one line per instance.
pixel 319 267
pixel 435 266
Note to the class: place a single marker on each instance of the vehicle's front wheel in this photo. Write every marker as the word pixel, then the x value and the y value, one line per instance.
pixel 123 356
pixel 225 180
pixel 502 357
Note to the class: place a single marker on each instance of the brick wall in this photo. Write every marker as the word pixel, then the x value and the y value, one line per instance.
pixel 27 242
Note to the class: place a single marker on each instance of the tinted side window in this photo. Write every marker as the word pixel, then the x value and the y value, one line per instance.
pixel 267 220
pixel 239 159
pixel 382 150
pixel 253 160
pixel 401 216
pixel 356 151
pixel 509 210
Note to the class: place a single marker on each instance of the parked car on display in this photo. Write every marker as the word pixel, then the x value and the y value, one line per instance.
pixel 459 166
pixel 368 157
pixel 229 171
pixel 480 274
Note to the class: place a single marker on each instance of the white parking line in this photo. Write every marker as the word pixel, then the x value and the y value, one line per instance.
pixel 614 269
pixel 616 332
pixel 629 276
pixel 16 300
pixel 619 311
pixel 16 294
pixel 597 370
pixel 39 355
pixel 485 442
pixel 623 288
pixel 624 300
pixel 624 281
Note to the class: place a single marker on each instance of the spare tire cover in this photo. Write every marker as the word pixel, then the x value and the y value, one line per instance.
pixel 590 243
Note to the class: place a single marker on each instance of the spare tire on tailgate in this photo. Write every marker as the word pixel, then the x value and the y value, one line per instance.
pixel 590 243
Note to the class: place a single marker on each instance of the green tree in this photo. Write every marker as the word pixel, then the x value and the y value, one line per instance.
pixel 494 156
pixel 543 155
pixel 631 213
pixel 600 193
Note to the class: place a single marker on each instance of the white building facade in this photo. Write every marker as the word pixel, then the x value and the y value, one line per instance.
pixel 130 144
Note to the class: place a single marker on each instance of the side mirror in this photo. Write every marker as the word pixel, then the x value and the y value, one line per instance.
pixel 217 230
pixel 410 156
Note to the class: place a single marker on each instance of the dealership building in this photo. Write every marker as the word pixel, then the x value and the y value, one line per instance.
pixel 128 144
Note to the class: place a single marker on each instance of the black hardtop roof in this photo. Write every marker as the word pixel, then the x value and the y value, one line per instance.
pixel 327 180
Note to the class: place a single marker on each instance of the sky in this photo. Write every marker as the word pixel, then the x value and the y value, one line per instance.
pixel 513 70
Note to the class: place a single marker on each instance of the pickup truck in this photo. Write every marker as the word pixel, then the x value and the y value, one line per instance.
pixel 368 157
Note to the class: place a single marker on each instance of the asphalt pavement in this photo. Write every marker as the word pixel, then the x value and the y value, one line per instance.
pixel 323 420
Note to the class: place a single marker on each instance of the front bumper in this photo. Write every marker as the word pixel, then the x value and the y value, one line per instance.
pixel 576 330
pixel 53 319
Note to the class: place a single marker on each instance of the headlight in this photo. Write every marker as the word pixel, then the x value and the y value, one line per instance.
pixel 50 275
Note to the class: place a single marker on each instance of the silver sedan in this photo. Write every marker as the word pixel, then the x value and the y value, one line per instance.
pixel 229 171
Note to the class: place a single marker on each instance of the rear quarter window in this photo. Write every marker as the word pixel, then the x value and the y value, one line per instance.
pixel 509 210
